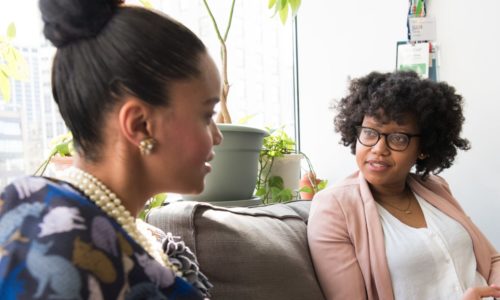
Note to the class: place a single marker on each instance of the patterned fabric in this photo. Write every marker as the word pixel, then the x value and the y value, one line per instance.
pixel 55 243
pixel 184 259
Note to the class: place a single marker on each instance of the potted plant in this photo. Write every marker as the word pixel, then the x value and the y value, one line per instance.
pixel 60 157
pixel 280 168
pixel 235 164
pixel 282 7
pixel 309 184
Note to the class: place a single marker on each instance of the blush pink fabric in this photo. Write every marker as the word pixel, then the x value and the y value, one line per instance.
pixel 347 243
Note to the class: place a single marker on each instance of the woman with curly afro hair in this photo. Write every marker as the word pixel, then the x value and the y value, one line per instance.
pixel 393 230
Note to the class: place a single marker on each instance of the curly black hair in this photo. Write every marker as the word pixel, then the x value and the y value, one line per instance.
pixel 391 97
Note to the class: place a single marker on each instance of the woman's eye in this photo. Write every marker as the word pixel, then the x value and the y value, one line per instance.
pixel 399 138
pixel 209 116
pixel 370 133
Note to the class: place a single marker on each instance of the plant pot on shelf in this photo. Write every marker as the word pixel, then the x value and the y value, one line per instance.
pixel 288 168
pixel 279 178
pixel 306 185
pixel 235 165
pixel 57 165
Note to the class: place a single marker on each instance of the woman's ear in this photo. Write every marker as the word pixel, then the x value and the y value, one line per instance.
pixel 422 156
pixel 135 120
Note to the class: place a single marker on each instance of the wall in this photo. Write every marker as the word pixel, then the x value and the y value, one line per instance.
pixel 343 39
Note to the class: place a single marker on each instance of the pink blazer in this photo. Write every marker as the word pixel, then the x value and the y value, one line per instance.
pixel 347 243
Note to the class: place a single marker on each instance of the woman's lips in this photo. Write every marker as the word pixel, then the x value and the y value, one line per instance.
pixel 377 165
pixel 208 167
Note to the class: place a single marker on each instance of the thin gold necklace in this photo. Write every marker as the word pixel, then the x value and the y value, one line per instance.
pixel 98 193
pixel 407 210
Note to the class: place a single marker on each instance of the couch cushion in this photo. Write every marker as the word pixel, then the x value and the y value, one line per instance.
pixel 247 253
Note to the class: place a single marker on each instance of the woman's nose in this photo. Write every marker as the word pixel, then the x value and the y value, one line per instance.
pixel 381 146
pixel 217 136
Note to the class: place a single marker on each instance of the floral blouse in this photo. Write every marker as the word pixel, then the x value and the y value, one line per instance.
pixel 55 243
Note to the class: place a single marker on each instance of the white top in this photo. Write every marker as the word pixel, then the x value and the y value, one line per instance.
pixel 436 262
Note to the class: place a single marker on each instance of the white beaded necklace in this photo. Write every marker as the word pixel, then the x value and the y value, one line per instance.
pixel 94 189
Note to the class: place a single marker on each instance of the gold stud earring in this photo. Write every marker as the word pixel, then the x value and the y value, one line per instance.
pixel 147 145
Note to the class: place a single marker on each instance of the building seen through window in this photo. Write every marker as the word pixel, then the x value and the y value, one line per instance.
pixel 259 66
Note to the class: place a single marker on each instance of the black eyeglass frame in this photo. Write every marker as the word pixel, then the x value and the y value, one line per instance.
pixel 379 134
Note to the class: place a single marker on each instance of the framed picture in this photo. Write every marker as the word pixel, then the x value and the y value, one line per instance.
pixel 418 57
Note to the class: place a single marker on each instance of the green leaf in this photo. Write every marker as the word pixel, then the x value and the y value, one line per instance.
pixel 294 5
pixel 17 67
pixel 63 149
pixel 283 3
pixel 142 214
pixel 246 118
pixel 4 69
pixel 63 144
pixel 4 86
pixel 158 200
pixel 285 195
pixel 420 5
pixel 283 14
pixel 154 202
pixel 306 189
pixel 271 3
pixel 11 31
pixel 277 143
pixel 276 182
pixel 322 184
pixel 261 192
pixel 146 3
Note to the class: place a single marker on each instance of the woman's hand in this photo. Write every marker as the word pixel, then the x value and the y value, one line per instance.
pixel 477 293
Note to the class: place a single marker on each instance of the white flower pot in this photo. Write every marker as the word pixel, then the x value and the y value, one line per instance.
pixel 288 168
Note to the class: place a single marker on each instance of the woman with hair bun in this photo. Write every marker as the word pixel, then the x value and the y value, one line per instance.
pixel 393 230
pixel 137 90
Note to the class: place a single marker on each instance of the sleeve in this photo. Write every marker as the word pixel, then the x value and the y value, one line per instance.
pixel 495 268
pixel 332 250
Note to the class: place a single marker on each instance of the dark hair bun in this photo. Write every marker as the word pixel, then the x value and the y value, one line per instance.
pixel 66 21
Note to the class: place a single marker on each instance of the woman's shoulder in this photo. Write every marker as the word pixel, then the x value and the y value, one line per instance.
pixel 36 188
pixel 38 196
pixel 344 190
pixel 433 182
pixel 48 223
pixel 43 208
pixel 342 197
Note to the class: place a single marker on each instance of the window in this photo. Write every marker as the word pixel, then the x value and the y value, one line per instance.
pixel 260 74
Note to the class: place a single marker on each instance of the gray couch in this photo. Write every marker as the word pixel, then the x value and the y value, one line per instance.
pixel 247 253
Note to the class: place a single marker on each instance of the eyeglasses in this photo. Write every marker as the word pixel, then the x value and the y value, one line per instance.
pixel 396 141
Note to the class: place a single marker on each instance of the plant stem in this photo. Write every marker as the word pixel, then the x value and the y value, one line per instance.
pixel 223 116
pixel 265 181
pixel 229 21
pixel 213 21
pixel 44 165
pixel 225 86
pixel 311 170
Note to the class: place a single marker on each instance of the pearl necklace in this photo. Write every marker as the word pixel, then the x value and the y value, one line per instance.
pixel 94 189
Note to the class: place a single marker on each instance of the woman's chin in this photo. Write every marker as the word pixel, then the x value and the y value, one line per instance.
pixel 195 189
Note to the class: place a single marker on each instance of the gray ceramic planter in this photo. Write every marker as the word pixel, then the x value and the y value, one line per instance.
pixel 234 168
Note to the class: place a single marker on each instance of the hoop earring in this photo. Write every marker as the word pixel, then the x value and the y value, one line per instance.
pixel 147 145
pixel 422 156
